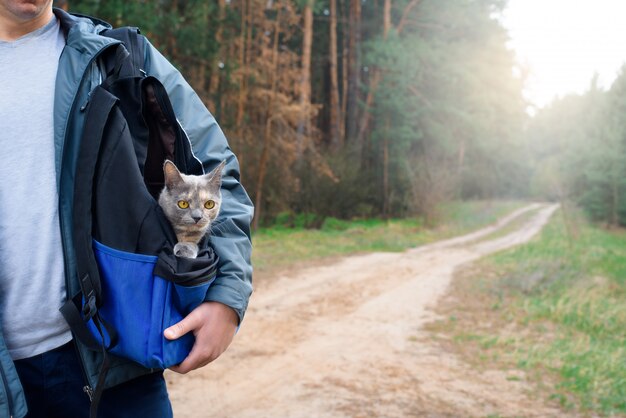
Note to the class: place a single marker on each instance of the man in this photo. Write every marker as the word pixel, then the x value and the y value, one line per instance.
pixel 48 66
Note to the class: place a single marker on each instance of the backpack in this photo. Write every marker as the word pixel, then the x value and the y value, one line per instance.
pixel 132 285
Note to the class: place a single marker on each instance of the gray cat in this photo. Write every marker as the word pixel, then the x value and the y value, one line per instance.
pixel 190 203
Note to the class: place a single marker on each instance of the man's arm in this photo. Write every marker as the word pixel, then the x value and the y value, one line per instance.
pixel 212 322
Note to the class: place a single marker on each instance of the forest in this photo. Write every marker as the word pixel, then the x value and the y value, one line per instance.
pixel 383 108
pixel 579 148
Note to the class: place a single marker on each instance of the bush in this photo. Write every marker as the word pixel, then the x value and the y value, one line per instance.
pixel 305 220
pixel 334 224
pixel 284 219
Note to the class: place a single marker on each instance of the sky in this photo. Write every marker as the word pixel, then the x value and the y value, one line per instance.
pixel 564 42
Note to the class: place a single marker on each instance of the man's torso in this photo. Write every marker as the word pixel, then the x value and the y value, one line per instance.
pixel 32 284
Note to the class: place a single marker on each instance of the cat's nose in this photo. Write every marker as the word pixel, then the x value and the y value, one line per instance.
pixel 197 218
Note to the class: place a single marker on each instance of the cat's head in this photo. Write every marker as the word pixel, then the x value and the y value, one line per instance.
pixel 191 201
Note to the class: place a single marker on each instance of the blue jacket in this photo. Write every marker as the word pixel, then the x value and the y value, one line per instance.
pixel 78 73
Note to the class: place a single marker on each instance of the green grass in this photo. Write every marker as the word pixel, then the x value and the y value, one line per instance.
pixel 570 291
pixel 279 247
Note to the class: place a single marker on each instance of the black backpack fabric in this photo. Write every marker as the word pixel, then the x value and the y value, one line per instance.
pixel 132 285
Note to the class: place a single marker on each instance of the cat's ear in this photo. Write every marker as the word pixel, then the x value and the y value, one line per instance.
pixel 214 178
pixel 172 175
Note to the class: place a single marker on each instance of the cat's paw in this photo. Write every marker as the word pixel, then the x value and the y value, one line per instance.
pixel 186 249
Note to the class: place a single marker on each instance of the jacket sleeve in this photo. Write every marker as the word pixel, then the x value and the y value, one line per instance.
pixel 230 233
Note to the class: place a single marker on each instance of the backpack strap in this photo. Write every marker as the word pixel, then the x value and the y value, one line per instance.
pixel 83 307
pixel 130 37
pixel 90 299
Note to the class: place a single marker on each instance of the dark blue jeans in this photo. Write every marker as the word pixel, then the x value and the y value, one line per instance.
pixel 53 383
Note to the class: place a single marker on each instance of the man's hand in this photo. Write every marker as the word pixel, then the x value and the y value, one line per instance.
pixel 214 325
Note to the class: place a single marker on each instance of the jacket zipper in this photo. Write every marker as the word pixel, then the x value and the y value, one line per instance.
pixel 89 391
pixel 5 382
pixel 186 137
pixel 87 388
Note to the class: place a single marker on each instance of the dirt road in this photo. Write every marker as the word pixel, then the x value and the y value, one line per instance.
pixel 345 340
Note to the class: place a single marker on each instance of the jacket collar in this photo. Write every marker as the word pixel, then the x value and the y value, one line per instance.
pixel 67 21
pixel 76 22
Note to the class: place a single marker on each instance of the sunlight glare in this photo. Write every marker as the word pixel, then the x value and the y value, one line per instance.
pixel 563 43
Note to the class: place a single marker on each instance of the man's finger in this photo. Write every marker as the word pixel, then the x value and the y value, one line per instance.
pixel 181 328
pixel 193 361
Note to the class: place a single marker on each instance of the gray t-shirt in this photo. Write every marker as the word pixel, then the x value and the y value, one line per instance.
pixel 32 284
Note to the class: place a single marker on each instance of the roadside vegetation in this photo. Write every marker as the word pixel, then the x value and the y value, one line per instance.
pixel 554 308
pixel 294 240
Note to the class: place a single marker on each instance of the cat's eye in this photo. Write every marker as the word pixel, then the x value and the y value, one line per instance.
pixel 183 204
pixel 209 204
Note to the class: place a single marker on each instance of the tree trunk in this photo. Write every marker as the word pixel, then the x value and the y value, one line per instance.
pixel 386 168
pixel 386 27
pixel 354 71
pixel 241 102
pixel 334 82
pixel 268 125
pixel 386 18
pixel 369 102
pixel 244 59
pixel 214 83
pixel 344 75
pixel 305 81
